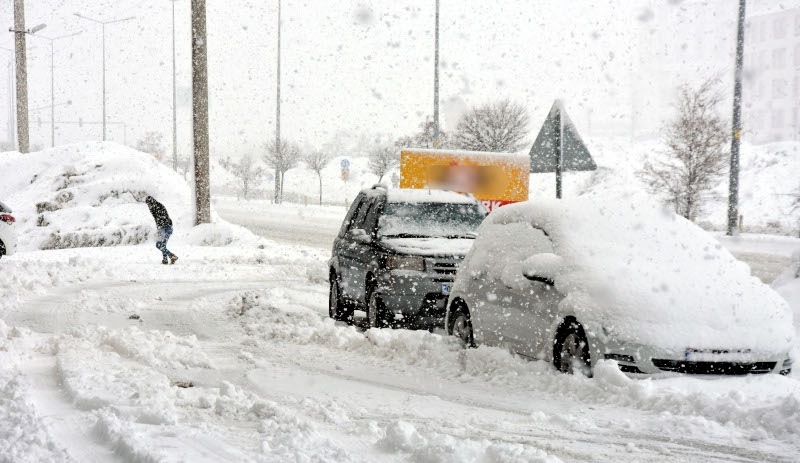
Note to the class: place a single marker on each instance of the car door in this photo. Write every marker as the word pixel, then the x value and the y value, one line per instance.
pixel 527 306
pixel 356 254
pixel 343 247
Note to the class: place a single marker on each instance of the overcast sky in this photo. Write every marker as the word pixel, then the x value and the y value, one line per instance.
pixel 366 67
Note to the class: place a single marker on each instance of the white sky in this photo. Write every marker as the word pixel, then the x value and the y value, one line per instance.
pixel 365 67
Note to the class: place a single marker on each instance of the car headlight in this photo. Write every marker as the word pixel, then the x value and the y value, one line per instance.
pixel 405 263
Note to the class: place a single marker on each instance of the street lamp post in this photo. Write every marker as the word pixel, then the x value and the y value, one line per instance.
pixel 20 45
pixel 52 83
pixel 103 25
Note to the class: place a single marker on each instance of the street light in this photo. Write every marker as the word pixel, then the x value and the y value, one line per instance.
pixel 103 24
pixel 52 83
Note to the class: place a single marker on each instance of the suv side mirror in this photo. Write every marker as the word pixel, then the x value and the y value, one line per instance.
pixel 359 235
pixel 543 267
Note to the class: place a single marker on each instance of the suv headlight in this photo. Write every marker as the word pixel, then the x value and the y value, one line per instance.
pixel 405 263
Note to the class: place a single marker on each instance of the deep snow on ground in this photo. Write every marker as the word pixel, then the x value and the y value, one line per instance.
pixel 107 355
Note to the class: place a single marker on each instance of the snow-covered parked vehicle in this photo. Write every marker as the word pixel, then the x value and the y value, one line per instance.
pixel 397 252
pixel 576 281
pixel 8 236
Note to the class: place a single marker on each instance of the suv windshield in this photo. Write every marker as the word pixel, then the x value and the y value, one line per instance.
pixel 429 220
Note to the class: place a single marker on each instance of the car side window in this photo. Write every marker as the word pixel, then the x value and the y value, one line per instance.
pixel 371 219
pixel 354 208
pixel 358 222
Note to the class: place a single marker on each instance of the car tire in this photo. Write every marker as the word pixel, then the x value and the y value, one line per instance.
pixel 571 350
pixel 460 326
pixel 376 310
pixel 2 249
pixel 338 309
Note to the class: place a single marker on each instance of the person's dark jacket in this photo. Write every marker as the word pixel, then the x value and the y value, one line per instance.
pixel 159 213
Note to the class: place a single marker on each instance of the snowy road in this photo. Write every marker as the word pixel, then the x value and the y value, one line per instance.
pixel 273 379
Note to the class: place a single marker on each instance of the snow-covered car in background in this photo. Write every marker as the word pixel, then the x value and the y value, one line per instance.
pixel 397 253
pixel 8 236
pixel 575 281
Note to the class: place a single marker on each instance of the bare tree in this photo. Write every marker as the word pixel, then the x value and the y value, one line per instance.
pixel 152 143
pixel 381 160
pixel 248 173
pixel 501 126
pixel 424 138
pixel 316 161
pixel 282 158
pixel 696 158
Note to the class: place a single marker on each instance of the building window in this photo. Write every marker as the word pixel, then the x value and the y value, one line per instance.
pixel 797 55
pixel 779 88
pixel 762 60
pixel 779 58
pixel 797 24
pixel 777 118
pixel 779 28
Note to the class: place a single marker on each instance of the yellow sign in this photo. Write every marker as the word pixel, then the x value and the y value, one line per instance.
pixel 494 178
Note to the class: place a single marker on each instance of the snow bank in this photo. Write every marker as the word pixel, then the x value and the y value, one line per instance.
pixel 88 194
pixel 762 406
pixel 646 275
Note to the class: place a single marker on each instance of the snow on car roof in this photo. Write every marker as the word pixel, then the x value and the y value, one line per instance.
pixel 409 195
pixel 650 275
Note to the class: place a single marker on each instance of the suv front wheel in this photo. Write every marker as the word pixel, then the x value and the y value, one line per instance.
pixel 338 309
pixel 376 310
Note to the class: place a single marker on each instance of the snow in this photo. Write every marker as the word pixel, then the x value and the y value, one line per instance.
pixel 412 196
pixel 428 246
pixel 243 321
pixel 644 274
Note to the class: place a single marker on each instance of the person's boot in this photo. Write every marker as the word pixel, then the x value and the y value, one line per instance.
pixel 172 258
pixel 165 261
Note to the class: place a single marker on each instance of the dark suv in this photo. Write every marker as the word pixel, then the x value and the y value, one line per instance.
pixel 397 253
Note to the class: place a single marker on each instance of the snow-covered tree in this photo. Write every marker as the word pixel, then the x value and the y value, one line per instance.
pixel 152 143
pixel 317 160
pixel 424 138
pixel 696 157
pixel 501 126
pixel 382 159
pixel 281 158
pixel 247 173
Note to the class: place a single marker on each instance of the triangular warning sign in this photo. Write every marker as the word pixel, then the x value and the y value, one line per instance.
pixel 544 153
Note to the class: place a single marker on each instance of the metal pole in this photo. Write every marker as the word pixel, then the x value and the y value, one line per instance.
pixel 436 81
pixel 200 113
pixel 52 97
pixel 559 137
pixel 22 77
pixel 174 99
pixel 104 81
pixel 278 179
pixel 736 129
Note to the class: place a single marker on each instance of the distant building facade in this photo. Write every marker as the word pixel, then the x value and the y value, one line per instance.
pixel 771 99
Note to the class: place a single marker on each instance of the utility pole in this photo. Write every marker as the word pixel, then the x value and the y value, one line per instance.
pixel 436 81
pixel 174 99
pixel 52 83
pixel 202 185
pixel 278 178
pixel 103 25
pixel 733 190
pixel 22 76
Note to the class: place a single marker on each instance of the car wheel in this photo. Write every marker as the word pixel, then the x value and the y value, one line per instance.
pixel 376 311
pixel 337 309
pixel 461 327
pixel 571 351
pixel 2 249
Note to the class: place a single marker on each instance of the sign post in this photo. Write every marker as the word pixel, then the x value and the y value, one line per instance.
pixel 559 148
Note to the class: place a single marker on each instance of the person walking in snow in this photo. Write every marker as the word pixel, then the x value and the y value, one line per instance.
pixel 164 225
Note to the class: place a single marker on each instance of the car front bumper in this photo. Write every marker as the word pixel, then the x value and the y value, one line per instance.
pixel 641 359
pixel 418 296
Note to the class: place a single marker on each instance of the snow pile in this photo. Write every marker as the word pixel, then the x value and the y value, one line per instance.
pixel 646 275
pixel 89 194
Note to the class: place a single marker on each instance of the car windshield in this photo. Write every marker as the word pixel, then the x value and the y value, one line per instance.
pixel 429 220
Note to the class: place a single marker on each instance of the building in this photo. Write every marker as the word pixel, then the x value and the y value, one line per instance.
pixel 771 81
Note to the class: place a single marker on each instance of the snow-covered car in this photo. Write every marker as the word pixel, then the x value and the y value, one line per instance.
pixel 397 253
pixel 8 237
pixel 576 281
